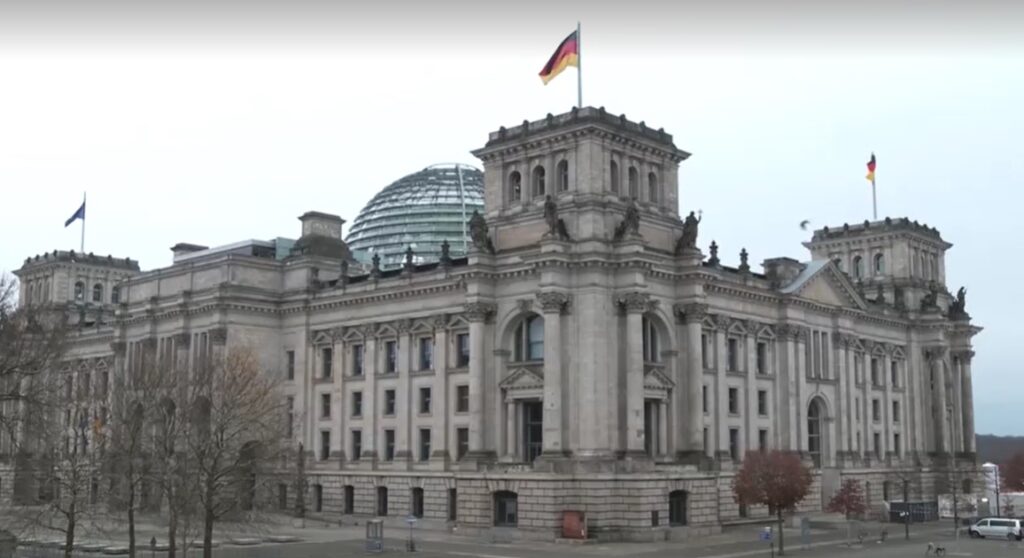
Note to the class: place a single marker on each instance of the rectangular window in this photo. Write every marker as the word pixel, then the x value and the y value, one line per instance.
pixel 382 501
pixel 858 441
pixel 704 398
pixel 389 445
pixel 350 500
pixel 733 352
pixel 282 496
pixel 762 403
pixel 417 502
pixel 878 445
pixel 357 445
pixel 762 439
pixel 424 444
pixel 894 374
pixel 876 410
pixel 734 444
pixel 876 379
pixel 896 443
pixel 289 366
pixel 391 357
pixel 389 402
pixel 896 411
pixel 704 357
pixel 426 353
pixel 453 500
pixel 462 399
pixel 707 447
pixel 462 441
pixel 424 400
pixel 357 404
pixel 734 401
pixel 325 405
pixel 856 407
pixel 290 417
pixel 762 358
pixel 325 445
pixel 318 497
pixel 326 363
pixel 357 360
pixel 462 350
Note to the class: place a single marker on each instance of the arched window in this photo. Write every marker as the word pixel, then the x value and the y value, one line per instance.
pixel 677 500
pixel 652 345
pixel 97 293
pixel 652 188
pixel 506 506
pixel 815 417
pixel 563 175
pixel 115 295
pixel 634 183
pixel 79 291
pixel 538 181
pixel 615 177
pixel 515 187
pixel 858 267
pixel 879 264
pixel 529 339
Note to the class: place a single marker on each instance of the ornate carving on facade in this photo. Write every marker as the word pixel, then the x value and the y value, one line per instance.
pixel 553 302
pixel 630 224
pixel 409 265
pixel 752 326
pixel 788 332
pixel 336 333
pixel 723 322
pixel 479 311
pixel 965 356
pixel 343 278
pixel 524 305
pixel 478 233
pixel 375 267
pixel 446 255
pixel 556 226
pixel 118 348
pixel 403 326
pixel 688 240
pixel 440 321
pixel 368 330
pixel 930 301
pixel 634 301
pixel 958 306
pixel 691 312
pixel 219 335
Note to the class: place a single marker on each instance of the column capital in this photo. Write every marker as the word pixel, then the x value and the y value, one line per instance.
pixel 691 312
pixel 634 302
pixel 403 326
pixel 440 321
pixel 965 355
pixel 934 353
pixel 479 311
pixel 553 302
pixel 183 339
pixel 219 335
pixel 722 322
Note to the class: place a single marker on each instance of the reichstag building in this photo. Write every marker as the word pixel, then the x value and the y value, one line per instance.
pixel 487 350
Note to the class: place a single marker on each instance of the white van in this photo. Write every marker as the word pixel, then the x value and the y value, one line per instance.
pixel 997 527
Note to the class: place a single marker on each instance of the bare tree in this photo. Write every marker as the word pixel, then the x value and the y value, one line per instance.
pixel 236 437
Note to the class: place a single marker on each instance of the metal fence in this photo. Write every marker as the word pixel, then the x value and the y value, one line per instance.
pixel 919 511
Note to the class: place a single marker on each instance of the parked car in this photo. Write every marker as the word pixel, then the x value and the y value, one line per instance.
pixel 997 527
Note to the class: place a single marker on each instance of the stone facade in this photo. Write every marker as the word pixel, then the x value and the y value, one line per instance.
pixel 584 356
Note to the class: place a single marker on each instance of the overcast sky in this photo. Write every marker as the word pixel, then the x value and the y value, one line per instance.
pixel 216 122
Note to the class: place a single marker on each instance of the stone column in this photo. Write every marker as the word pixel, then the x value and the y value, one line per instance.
pixel 887 416
pixel 845 395
pixel 369 448
pixel 750 415
pixel 552 305
pixel 693 316
pixel 510 430
pixel 662 428
pixel 439 399
pixel 935 356
pixel 635 304
pixel 403 393
pixel 477 313
pixel 786 387
pixel 800 402
pixel 721 389
pixel 958 409
pixel 968 401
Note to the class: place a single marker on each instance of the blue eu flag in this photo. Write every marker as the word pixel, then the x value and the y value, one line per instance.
pixel 80 214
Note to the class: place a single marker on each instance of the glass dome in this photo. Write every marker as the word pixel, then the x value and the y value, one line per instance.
pixel 421 210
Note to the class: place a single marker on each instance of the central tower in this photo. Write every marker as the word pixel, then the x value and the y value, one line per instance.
pixel 591 164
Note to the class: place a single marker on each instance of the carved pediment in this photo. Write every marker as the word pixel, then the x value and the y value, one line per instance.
pixel 656 379
pixel 823 283
pixel 523 378
pixel 323 337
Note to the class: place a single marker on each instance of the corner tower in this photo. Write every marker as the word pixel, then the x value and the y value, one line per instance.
pixel 591 163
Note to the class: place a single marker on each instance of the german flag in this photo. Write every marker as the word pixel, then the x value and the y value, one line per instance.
pixel 567 54
pixel 871 169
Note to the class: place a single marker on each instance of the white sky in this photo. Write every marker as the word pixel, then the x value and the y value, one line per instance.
pixel 226 123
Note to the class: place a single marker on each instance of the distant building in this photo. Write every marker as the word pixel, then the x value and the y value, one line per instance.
pixel 584 355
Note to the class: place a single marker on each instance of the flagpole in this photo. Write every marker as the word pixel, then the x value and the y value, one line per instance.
pixel 579 67
pixel 874 199
pixel 82 246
